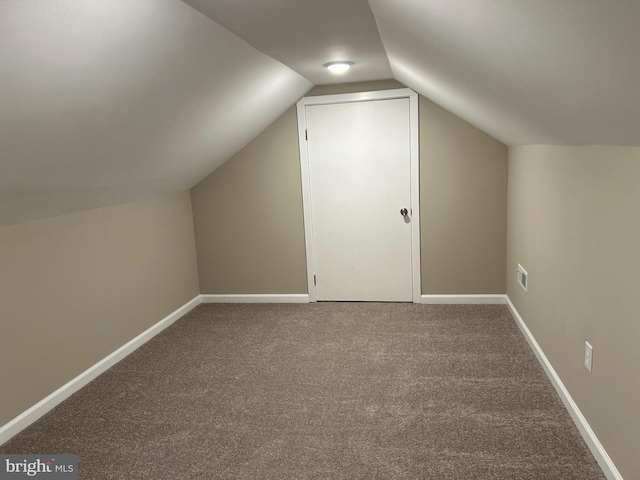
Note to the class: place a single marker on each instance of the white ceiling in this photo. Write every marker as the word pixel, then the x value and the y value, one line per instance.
pixel 306 34
pixel 527 71
pixel 105 102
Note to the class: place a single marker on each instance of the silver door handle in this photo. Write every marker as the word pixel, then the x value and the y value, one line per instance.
pixel 404 212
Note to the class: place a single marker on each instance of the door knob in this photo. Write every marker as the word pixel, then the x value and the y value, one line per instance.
pixel 404 212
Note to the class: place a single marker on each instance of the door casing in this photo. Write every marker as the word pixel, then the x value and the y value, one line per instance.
pixel 415 176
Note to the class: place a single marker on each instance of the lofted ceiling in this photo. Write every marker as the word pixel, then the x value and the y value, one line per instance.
pixel 561 72
pixel 306 34
pixel 110 101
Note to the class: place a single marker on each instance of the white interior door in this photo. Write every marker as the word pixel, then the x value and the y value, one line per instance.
pixel 359 157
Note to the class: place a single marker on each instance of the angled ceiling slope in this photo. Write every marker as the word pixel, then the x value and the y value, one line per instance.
pixel 306 34
pixel 527 71
pixel 109 102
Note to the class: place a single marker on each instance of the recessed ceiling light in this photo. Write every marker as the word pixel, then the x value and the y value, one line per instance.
pixel 338 68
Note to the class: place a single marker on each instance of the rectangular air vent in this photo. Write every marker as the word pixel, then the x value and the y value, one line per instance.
pixel 522 277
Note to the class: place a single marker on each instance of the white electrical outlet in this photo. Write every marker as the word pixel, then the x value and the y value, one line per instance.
pixel 588 356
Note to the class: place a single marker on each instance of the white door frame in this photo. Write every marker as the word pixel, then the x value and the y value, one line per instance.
pixel 415 176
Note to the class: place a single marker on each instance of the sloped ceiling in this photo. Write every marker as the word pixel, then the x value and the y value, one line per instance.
pixel 104 102
pixel 562 72
pixel 307 34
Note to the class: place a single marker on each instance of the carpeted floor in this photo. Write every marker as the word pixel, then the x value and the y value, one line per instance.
pixel 322 391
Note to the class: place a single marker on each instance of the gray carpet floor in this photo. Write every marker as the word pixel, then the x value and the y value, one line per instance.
pixel 322 391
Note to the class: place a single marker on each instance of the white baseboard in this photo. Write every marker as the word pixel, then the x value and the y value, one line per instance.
pixel 598 451
pixel 256 298
pixel 26 418
pixel 490 299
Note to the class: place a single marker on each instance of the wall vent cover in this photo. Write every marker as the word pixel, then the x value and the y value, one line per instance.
pixel 522 277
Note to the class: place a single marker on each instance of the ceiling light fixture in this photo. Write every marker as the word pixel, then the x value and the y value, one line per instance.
pixel 338 68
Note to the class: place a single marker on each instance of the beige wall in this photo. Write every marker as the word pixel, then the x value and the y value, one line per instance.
pixel 463 203
pixel 248 217
pixel 573 225
pixel 75 288
pixel 260 248
pixel 354 87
